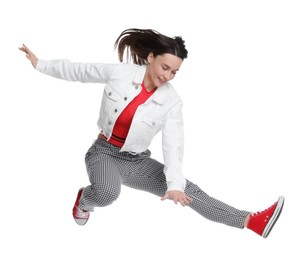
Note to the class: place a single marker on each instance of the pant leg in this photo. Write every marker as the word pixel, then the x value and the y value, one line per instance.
pixel 213 209
pixel 104 177
pixel 149 176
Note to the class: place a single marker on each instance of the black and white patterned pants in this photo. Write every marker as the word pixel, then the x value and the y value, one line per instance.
pixel 108 168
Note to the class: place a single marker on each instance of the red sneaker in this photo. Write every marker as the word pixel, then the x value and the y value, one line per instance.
pixel 262 222
pixel 80 216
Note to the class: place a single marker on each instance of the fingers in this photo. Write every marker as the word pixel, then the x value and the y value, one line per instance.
pixel 30 55
pixel 165 197
pixel 189 200
pixel 24 48
pixel 185 200
pixel 26 51
pixel 178 197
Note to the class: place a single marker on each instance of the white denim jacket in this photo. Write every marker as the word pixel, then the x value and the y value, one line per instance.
pixel 161 112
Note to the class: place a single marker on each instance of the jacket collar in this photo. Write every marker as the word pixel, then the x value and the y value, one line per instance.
pixel 140 74
pixel 160 94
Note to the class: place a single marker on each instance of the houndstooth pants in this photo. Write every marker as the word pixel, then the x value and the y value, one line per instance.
pixel 108 168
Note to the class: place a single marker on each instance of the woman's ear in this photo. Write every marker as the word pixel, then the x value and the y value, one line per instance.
pixel 150 57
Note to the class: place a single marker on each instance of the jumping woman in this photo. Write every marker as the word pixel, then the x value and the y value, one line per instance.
pixel 137 103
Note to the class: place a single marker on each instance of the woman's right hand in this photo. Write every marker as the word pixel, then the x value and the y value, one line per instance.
pixel 30 55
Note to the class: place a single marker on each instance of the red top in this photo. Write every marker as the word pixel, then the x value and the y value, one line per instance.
pixel 124 121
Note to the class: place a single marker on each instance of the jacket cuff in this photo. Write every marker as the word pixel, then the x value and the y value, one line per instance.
pixel 41 65
pixel 176 186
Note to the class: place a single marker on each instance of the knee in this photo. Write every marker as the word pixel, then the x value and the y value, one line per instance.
pixel 105 194
pixel 193 189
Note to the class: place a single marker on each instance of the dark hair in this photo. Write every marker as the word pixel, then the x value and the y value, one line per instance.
pixel 138 43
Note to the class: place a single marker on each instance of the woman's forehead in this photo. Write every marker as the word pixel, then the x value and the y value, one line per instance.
pixel 170 60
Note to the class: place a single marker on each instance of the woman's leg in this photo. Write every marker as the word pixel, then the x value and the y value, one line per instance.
pixel 149 176
pixel 214 209
pixel 104 177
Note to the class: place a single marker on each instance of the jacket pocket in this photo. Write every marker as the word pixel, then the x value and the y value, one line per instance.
pixel 150 121
pixel 111 93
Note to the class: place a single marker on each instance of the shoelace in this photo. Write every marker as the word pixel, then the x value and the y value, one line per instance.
pixel 262 212
pixel 81 213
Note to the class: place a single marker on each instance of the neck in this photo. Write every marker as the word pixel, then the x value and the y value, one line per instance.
pixel 149 87
pixel 148 83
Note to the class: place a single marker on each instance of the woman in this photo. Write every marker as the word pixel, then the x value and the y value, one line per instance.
pixel 138 102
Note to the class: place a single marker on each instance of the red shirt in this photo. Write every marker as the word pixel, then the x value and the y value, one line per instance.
pixel 124 121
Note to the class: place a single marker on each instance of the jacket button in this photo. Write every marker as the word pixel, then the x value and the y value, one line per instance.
pixel 116 110
pixel 136 87
pixel 109 93
pixel 109 122
pixel 125 98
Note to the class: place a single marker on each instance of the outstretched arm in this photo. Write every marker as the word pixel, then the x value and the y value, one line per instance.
pixel 30 55
pixel 71 71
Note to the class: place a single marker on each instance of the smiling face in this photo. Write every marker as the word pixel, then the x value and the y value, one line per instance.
pixel 161 69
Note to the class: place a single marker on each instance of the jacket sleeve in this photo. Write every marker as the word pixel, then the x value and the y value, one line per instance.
pixel 173 148
pixel 73 71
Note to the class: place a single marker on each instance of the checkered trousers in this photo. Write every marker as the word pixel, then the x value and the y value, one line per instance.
pixel 108 169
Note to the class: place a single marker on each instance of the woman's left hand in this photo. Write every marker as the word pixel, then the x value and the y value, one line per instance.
pixel 177 196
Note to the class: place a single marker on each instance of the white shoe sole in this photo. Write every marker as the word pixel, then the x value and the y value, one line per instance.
pixel 81 221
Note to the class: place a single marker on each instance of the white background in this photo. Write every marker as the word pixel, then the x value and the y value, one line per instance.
pixel 243 87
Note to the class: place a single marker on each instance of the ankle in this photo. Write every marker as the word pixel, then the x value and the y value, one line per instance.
pixel 246 221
